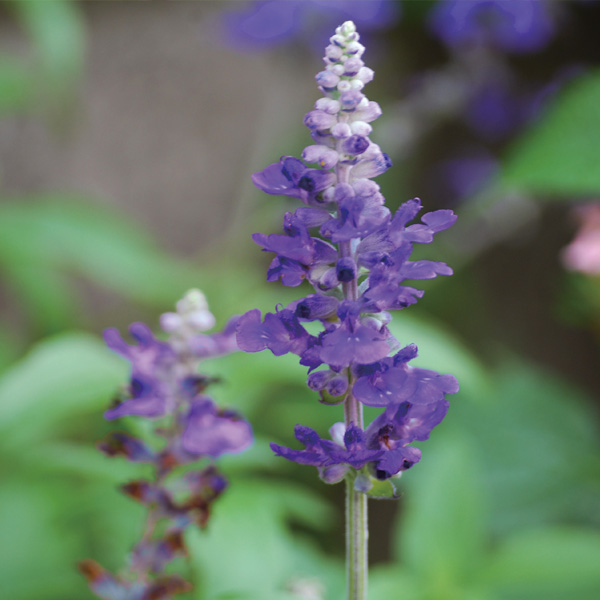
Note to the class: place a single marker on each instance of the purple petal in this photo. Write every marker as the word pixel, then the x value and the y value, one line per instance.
pixel 360 345
pixel 397 460
pixel 250 332
pixel 439 220
pixel 272 181
pixel 213 433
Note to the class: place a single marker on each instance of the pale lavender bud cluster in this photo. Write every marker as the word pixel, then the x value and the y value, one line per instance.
pixel 339 123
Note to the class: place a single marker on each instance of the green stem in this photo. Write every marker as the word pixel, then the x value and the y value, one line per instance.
pixel 356 542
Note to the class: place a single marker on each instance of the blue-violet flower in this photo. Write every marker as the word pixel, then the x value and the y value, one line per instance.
pixel 359 265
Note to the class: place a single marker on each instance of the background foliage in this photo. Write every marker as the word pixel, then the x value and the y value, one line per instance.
pixel 504 504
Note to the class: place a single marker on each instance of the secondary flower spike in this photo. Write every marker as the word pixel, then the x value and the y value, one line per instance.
pixel 355 254
pixel 165 384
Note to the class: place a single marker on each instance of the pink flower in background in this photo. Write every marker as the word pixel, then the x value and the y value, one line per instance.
pixel 583 253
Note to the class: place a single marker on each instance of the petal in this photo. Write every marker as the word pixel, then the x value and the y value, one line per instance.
pixel 439 220
pixel 397 460
pixel 250 332
pixel 212 433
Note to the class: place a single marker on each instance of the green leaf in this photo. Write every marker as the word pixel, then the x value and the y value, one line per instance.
pixel 47 296
pixel 58 35
pixel 35 547
pixel 441 534
pixel 393 581
pixel 559 155
pixel 537 439
pixel 546 564
pixel 248 533
pixel 15 85
pixel 65 459
pixel 63 376
pixel 382 490
pixel 44 238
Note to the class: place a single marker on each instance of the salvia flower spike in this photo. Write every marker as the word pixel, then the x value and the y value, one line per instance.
pixel 355 254
pixel 165 385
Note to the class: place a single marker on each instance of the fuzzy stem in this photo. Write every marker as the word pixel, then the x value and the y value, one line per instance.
pixel 357 529
pixel 356 542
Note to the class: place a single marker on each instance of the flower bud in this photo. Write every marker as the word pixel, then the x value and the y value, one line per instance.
pixel 352 66
pixel 333 52
pixel 328 105
pixel 365 75
pixel 338 385
pixel 360 128
pixel 346 269
pixel 350 99
pixel 324 156
pixel 355 144
pixel 317 119
pixel 327 79
pixel 341 131
pixel 369 112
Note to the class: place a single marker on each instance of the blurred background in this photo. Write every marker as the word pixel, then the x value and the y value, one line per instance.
pixel 128 133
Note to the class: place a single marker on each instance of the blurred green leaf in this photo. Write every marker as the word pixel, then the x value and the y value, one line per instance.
pixel 248 533
pixel 35 546
pixel 44 238
pixel 392 581
pixel 15 85
pixel 441 534
pixel 67 458
pixel 546 564
pixel 559 155
pixel 536 436
pixel 60 377
pixel 57 31
pixel 46 296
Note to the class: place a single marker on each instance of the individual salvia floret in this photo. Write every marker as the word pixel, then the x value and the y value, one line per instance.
pixel 165 385
pixel 359 267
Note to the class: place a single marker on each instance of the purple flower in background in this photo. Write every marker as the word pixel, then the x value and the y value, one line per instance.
pixel 495 111
pixel 462 177
pixel 509 25
pixel 272 22
pixel 209 431
pixel 165 384
pixel 358 264
pixel 108 587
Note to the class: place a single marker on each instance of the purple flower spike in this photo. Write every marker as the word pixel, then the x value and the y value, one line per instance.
pixel 165 383
pixel 358 275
